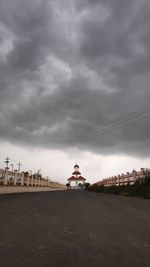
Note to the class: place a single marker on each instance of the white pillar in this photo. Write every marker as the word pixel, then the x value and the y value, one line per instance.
pixel 36 181
pixel 31 180
pixel 134 175
pixel 22 179
pixel 6 177
pixel 15 178
pixel 28 180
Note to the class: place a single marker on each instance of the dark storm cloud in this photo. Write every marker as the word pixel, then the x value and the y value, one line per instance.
pixel 69 68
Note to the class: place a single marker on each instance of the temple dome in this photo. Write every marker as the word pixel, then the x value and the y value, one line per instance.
pixel 76 166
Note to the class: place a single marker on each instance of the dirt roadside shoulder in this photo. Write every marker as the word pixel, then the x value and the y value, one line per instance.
pixel 24 189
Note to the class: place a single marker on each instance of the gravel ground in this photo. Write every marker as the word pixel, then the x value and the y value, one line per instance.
pixel 71 228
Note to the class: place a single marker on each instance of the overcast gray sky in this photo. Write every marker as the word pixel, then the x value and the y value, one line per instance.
pixel 68 70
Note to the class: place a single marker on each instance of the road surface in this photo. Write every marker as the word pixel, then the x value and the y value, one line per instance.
pixel 70 228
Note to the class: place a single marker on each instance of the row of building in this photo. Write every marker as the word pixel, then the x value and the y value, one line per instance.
pixel 124 179
pixel 18 177
pixel 22 178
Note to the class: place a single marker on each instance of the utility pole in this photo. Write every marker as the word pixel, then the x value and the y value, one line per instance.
pixel 19 166
pixel 7 160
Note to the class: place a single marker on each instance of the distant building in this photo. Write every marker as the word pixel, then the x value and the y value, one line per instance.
pixel 125 178
pixel 76 180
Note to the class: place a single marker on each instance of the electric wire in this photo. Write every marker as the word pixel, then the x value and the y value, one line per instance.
pixel 117 124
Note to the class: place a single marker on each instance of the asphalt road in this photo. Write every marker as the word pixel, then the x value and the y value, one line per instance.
pixel 74 229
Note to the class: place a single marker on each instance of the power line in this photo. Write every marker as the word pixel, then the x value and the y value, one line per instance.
pixel 113 129
pixel 119 120
pixel 117 124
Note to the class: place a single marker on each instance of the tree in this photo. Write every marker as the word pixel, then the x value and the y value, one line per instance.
pixel 68 186
pixel 87 185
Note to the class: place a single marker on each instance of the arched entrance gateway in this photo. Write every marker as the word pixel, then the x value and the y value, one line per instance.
pixel 76 181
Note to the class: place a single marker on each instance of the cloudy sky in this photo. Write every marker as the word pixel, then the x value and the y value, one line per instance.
pixel 75 85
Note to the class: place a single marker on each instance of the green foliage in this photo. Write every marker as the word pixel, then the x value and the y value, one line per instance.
pixel 140 188
pixel 87 186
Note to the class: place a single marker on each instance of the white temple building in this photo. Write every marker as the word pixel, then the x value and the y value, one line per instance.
pixel 76 181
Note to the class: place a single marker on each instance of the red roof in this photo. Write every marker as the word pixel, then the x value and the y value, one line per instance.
pixel 76 173
pixel 81 178
pixel 73 178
